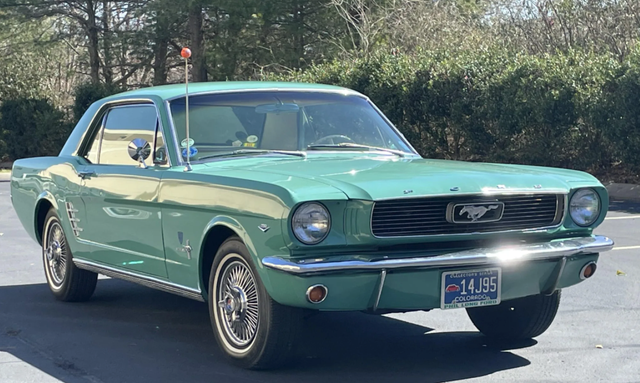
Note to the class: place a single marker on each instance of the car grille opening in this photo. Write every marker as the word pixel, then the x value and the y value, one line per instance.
pixel 428 215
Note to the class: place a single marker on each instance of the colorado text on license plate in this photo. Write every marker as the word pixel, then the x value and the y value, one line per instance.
pixel 471 288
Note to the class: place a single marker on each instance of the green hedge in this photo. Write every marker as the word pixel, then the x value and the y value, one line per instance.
pixel 31 127
pixel 576 110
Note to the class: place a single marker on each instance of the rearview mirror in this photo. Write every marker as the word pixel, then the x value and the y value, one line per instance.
pixel 139 150
pixel 277 108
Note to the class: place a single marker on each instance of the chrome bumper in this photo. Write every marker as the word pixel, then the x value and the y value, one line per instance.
pixel 476 257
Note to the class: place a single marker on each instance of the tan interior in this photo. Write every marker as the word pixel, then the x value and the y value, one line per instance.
pixel 280 131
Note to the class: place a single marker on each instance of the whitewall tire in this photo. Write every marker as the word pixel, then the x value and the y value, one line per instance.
pixel 252 329
pixel 66 281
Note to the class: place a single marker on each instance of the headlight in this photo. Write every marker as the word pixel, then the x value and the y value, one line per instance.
pixel 311 223
pixel 584 207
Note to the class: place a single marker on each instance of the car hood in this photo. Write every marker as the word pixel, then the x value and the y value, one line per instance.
pixel 375 177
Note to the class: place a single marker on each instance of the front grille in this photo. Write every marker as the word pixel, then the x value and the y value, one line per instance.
pixel 428 216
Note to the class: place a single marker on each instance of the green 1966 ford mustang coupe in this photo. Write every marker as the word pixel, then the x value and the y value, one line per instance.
pixel 268 199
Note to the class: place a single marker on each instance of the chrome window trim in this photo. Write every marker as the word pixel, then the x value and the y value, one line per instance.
pixel 101 133
pixel 523 231
pixel 101 114
pixel 343 91
pixel 172 127
pixel 393 127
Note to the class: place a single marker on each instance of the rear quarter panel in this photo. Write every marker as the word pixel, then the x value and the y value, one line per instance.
pixel 40 179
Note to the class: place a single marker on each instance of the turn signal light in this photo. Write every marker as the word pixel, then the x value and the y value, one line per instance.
pixel 316 293
pixel 588 270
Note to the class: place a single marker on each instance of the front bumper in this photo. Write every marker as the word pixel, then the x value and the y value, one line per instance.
pixel 476 257
pixel 358 283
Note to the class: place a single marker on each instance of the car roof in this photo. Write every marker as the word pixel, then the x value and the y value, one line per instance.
pixel 171 91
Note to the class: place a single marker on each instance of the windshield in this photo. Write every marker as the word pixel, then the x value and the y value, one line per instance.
pixel 282 121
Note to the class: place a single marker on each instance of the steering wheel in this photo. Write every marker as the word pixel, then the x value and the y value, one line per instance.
pixel 331 139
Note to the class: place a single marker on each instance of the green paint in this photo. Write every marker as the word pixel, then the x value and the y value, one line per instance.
pixel 139 220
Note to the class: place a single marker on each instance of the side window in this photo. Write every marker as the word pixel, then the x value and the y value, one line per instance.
pixel 121 126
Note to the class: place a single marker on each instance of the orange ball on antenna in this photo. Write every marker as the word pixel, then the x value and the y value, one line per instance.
pixel 186 52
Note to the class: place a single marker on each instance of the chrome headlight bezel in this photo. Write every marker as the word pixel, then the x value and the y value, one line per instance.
pixel 585 200
pixel 302 222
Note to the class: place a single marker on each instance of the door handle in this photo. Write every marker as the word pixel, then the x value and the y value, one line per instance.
pixel 86 174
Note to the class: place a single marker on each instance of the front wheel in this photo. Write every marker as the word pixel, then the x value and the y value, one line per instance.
pixel 252 329
pixel 67 282
pixel 521 318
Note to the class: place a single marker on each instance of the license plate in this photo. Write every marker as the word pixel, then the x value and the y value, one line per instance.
pixel 471 288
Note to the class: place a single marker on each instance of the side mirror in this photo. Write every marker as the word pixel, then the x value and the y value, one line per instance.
pixel 139 150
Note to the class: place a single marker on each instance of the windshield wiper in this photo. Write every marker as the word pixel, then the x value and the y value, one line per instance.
pixel 347 145
pixel 239 152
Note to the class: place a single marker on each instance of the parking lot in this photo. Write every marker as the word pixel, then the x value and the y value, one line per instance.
pixel 129 333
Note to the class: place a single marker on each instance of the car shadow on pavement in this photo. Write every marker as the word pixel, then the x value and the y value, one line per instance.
pixel 128 333
pixel 625 206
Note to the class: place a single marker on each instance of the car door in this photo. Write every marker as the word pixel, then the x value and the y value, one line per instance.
pixel 122 218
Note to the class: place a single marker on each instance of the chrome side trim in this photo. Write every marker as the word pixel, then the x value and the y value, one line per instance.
pixel 476 257
pixel 144 280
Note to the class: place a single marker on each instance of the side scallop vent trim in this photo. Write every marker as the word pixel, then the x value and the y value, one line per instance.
pixel 71 212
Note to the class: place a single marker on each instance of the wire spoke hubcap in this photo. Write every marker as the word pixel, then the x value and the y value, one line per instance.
pixel 56 253
pixel 238 303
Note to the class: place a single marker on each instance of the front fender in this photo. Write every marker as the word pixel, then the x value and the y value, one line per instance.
pixel 259 243
pixel 234 226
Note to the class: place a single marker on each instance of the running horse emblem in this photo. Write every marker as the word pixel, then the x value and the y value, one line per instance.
pixel 476 212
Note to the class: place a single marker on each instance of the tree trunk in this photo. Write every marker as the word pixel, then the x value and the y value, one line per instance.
pixel 107 71
pixel 198 61
pixel 93 48
pixel 160 57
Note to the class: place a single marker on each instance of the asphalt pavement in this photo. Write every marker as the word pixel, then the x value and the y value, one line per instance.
pixel 129 333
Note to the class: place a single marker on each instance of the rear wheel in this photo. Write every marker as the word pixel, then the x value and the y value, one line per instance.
pixel 520 318
pixel 252 329
pixel 66 281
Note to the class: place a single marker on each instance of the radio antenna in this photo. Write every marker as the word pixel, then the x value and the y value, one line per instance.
pixel 186 53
